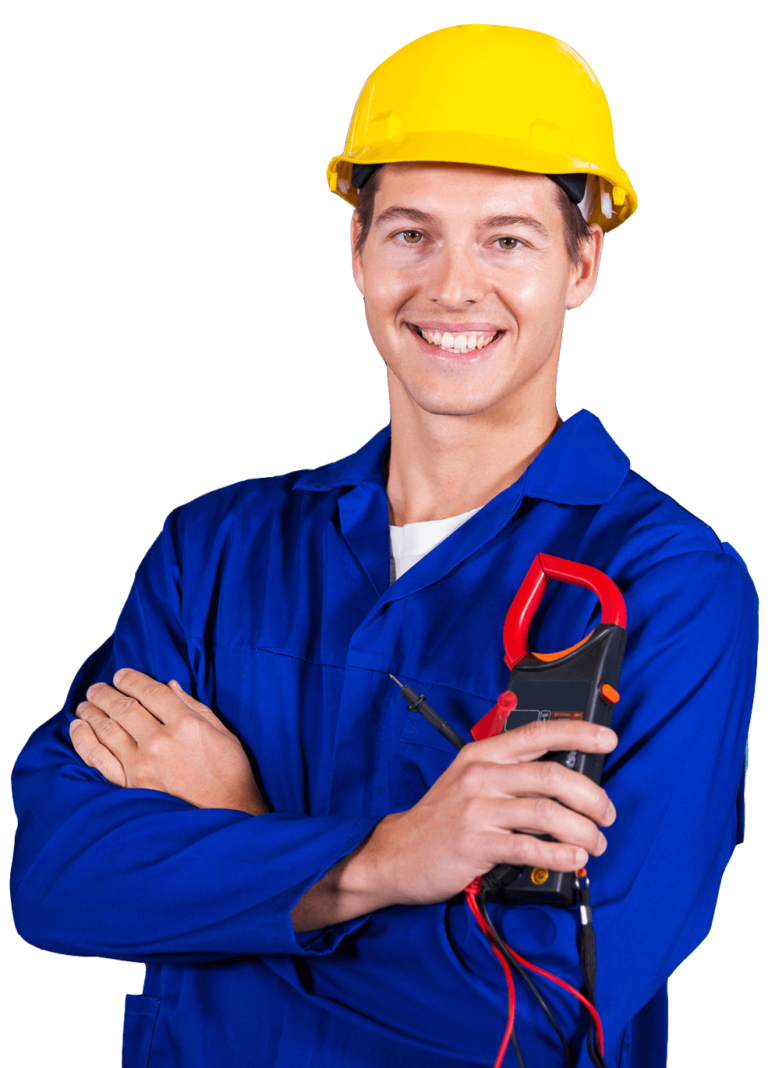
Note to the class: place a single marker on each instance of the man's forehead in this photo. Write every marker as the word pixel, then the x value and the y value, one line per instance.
pixel 437 176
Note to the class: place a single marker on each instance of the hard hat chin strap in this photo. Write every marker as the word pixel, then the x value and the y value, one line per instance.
pixel 574 185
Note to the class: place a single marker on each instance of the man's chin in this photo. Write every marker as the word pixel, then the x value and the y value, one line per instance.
pixel 441 403
pixel 456 395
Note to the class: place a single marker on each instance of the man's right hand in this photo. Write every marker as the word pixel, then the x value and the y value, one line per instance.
pixel 463 826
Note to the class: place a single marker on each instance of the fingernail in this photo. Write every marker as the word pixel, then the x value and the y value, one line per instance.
pixel 581 858
pixel 610 815
pixel 119 674
pixel 602 844
pixel 81 706
pixel 93 688
pixel 606 736
pixel 75 723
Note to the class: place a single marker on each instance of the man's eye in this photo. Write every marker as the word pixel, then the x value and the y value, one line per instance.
pixel 507 243
pixel 411 237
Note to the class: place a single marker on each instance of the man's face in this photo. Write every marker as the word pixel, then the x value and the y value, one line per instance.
pixel 466 278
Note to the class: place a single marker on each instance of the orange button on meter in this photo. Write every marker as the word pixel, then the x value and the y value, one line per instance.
pixel 609 694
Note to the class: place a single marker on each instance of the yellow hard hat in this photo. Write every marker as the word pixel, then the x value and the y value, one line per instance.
pixel 496 96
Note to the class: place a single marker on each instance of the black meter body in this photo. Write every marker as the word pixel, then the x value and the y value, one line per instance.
pixel 580 683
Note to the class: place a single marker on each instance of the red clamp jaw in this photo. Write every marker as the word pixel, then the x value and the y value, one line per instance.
pixel 522 610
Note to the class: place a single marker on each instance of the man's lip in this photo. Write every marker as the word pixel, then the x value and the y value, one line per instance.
pixel 454 328
pixel 445 356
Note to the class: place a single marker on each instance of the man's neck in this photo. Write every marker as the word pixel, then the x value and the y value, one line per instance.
pixel 443 465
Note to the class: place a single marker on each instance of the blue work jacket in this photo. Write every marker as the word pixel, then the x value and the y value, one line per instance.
pixel 270 601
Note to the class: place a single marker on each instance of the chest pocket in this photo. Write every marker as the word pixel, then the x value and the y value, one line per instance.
pixel 423 756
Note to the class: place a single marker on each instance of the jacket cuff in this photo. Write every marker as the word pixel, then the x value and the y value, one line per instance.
pixel 326 939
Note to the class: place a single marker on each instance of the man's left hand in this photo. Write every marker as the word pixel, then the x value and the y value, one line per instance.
pixel 142 733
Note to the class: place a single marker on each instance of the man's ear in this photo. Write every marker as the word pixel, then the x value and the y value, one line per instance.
pixel 584 277
pixel 357 257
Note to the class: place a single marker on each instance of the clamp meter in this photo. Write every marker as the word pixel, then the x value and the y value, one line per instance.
pixel 577 683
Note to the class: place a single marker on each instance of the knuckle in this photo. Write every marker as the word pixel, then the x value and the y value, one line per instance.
pixel 545 809
pixel 472 813
pixel 534 731
pixel 107 728
pixel 551 773
pixel 97 757
pixel 121 706
pixel 190 731
pixel 156 746
pixel 562 857
pixel 154 691
pixel 523 848
pixel 192 723
pixel 472 776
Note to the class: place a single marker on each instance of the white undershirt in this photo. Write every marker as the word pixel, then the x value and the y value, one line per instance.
pixel 408 544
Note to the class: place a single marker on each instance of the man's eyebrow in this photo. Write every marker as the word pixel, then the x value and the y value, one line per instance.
pixel 492 221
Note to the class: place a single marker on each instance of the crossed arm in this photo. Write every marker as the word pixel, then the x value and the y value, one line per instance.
pixel 151 736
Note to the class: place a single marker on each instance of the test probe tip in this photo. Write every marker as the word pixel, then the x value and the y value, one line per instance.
pixel 399 683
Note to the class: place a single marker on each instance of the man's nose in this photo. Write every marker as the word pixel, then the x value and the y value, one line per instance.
pixel 455 278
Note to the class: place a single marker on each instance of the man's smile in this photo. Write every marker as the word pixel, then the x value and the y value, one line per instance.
pixel 459 338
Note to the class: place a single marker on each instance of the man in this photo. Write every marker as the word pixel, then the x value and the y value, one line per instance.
pixel 235 778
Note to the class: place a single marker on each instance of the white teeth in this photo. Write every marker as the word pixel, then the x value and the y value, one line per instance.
pixel 466 342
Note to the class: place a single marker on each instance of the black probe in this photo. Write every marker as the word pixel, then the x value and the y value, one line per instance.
pixel 417 703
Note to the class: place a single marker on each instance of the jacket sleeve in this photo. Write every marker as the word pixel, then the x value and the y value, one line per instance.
pixel 425 974
pixel 141 875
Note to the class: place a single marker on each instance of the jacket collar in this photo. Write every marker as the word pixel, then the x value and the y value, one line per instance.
pixel 581 464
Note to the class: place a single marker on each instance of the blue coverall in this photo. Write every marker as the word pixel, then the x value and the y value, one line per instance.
pixel 270 601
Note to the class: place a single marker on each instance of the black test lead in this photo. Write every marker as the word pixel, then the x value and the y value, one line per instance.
pixel 417 703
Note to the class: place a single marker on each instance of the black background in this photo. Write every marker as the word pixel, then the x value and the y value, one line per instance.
pixel 176 219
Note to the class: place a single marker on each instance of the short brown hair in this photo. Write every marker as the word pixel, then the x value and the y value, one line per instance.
pixel 575 226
